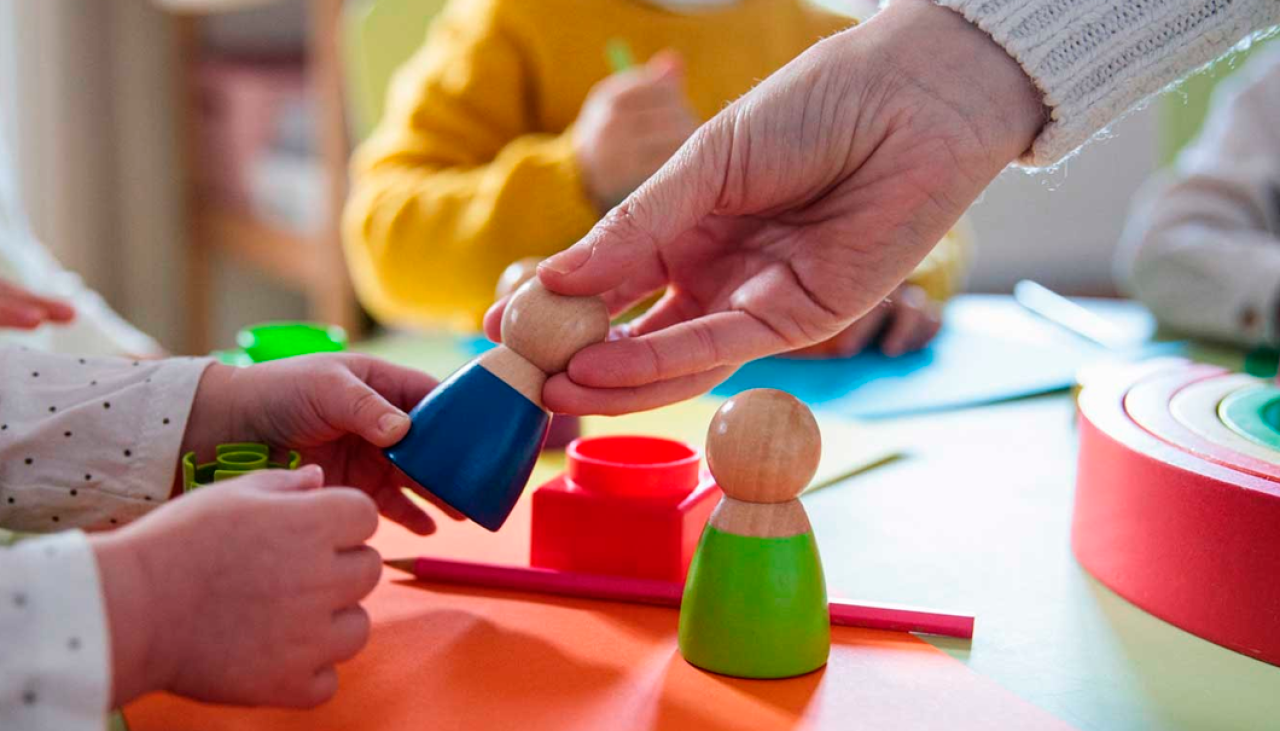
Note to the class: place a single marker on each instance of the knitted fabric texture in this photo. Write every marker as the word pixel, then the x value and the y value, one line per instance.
pixel 1096 60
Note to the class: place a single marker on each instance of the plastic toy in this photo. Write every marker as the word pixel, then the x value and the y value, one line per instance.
pixel 473 440
pixel 232 460
pixel 1170 513
pixel 755 601
pixel 626 506
pixel 662 593
pixel 275 340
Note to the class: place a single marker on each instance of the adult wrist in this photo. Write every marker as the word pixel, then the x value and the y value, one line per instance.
pixel 968 70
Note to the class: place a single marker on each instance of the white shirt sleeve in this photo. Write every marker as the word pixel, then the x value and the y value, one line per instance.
pixel 1095 60
pixel 89 442
pixel 55 663
pixel 1202 248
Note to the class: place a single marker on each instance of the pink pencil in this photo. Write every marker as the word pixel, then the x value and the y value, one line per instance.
pixel 664 593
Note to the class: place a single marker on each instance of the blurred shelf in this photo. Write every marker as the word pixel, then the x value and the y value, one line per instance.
pixel 284 255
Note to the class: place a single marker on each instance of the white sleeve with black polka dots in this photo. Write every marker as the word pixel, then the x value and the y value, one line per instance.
pixel 89 442
pixel 55 663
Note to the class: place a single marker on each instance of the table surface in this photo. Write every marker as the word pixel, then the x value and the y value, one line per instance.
pixel 977 518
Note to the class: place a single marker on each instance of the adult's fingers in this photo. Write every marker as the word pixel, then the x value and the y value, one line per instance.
pixel 683 349
pixel 563 396
pixel 628 242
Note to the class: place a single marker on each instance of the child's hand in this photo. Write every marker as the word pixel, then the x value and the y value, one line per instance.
pixel 905 322
pixel 630 125
pixel 25 310
pixel 245 593
pixel 338 411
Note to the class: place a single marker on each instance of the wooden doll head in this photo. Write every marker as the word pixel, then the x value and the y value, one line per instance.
pixel 763 446
pixel 516 275
pixel 546 328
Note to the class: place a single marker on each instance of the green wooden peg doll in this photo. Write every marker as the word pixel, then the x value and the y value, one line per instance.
pixel 755 601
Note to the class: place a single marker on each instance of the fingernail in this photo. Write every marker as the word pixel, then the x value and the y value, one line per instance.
pixel 567 262
pixel 392 424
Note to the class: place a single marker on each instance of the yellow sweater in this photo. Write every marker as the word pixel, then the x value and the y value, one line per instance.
pixel 472 166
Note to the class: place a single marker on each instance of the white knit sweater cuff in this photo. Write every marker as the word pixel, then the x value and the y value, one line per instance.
pixel 1095 60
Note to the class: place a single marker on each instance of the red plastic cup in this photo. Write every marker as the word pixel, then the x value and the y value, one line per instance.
pixel 645 467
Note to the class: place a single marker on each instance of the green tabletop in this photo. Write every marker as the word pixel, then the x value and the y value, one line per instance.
pixel 977 519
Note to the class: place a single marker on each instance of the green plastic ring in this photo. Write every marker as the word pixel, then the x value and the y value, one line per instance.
pixel 232 460
pixel 1254 413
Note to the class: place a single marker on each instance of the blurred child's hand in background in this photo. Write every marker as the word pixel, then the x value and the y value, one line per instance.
pixel 903 323
pixel 246 593
pixel 630 125
pixel 25 310
pixel 338 411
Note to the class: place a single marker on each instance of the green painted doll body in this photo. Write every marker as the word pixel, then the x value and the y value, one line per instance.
pixel 755 601
pixel 755 607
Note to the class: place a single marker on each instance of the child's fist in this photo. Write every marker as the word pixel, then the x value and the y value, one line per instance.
pixel 243 592
pixel 630 125
pixel 26 310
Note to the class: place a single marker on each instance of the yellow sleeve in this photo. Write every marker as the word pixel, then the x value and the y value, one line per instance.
pixel 943 272
pixel 455 184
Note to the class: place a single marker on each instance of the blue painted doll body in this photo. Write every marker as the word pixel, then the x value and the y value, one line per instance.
pixel 473 444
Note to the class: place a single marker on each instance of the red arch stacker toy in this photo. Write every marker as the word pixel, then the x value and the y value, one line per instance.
pixel 1171 513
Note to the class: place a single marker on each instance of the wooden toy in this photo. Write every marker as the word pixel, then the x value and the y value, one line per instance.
pixel 626 506
pixel 1147 404
pixel 564 427
pixel 1196 406
pixel 664 593
pixel 473 441
pixel 1254 413
pixel 755 601
pixel 1189 538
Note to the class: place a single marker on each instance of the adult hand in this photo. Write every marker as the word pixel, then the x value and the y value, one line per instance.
pixel 630 124
pixel 904 323
pixel 338 411
pixel 24 310
pixel 797 209
pixel 245 593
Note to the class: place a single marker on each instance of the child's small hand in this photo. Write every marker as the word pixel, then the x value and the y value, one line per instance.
pixel 630 125
pixel 337 410
pixel 245 593
pixel 905 322
pixel 25 310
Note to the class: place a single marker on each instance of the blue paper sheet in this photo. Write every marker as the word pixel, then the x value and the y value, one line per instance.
pixel 989 350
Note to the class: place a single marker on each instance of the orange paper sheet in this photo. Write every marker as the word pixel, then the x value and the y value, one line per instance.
pixel 459 658
pixel 444 657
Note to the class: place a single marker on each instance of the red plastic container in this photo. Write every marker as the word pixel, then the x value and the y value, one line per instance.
pixel 626 506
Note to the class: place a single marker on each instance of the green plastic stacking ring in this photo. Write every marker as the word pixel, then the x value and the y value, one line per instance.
pixel 232 460
pixel 276 340
pixel 1254 413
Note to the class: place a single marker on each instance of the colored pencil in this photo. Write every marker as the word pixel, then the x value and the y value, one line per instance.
pixel 619 55
pixel 664 593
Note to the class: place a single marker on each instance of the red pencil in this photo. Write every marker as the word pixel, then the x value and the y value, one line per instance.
pixel 664 593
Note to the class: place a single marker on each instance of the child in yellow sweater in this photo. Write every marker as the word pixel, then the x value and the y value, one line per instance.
pixel 507 137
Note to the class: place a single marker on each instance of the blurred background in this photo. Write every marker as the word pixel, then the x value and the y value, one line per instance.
pixel 188 157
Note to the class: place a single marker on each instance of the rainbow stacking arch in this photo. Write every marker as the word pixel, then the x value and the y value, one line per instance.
pixel 1178 498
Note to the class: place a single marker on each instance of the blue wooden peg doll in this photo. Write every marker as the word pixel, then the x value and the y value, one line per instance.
pixel 474 439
